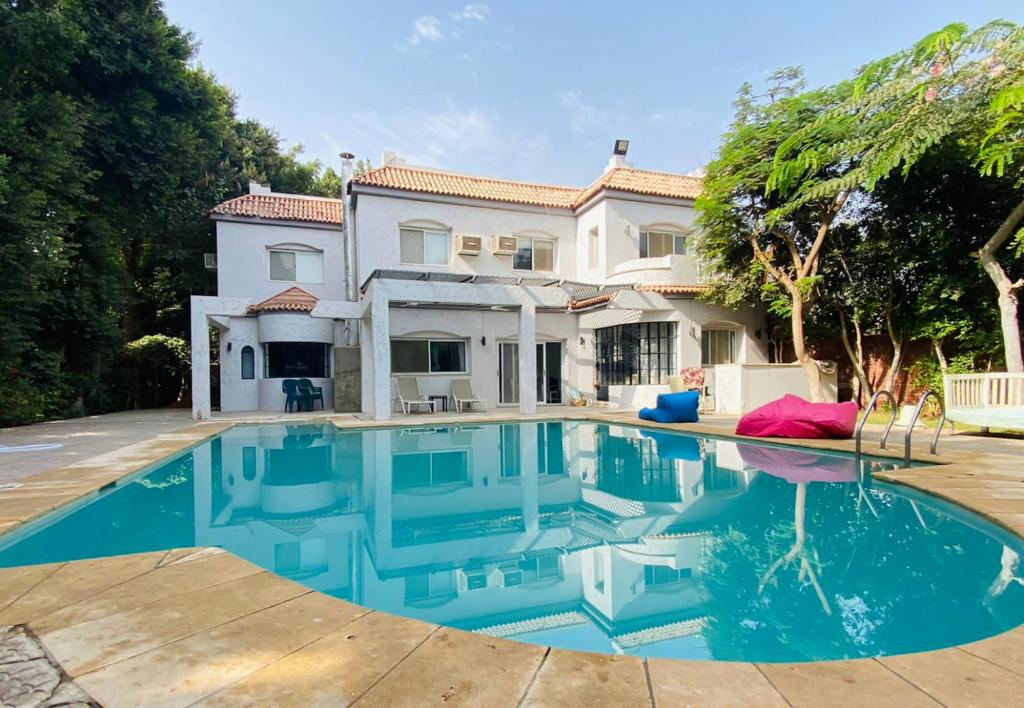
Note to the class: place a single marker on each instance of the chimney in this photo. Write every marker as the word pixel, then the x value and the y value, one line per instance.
pixel 257 188
pixel 618 158
pixel 388 157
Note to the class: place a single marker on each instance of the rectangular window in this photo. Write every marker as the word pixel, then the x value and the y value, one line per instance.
pixel 542 568
pixel 534 254
pixel 424 247
pixel 635 354
pixel 427 356
pixel 428 469
pixel 664 575
pixel 717 346
pixel 303 360
pixel 427 585
pixel 297 266
pixel 655 244
pixel 593 246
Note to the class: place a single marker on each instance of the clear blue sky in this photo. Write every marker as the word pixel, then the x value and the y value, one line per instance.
pixel 534 90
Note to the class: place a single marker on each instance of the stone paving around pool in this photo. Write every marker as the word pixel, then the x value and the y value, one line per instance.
pixel 203 627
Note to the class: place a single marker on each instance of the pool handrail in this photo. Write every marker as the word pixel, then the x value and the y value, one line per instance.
pixel 867 412
pixel 913 421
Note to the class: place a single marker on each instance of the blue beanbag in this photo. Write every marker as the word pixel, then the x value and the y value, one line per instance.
pixel 673 408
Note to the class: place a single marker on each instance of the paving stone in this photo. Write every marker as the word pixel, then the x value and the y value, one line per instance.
pixel 186 671
pixel 160 584
pixel 30 678
pixel 959 678
pixel 73 582
pixel 839 684
pixel 15 582
pixel 454 668
pixel 333 670
pixel 711 683
pixel 127 634
pixel 581 678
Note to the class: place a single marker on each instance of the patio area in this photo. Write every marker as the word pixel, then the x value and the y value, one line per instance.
pixel 199 626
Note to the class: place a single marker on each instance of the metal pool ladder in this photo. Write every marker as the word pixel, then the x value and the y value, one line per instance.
pixel 910 424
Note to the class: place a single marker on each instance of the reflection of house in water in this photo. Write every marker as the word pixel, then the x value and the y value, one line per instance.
pixel 517 529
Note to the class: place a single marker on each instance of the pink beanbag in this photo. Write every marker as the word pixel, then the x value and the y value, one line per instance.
pixel 793 417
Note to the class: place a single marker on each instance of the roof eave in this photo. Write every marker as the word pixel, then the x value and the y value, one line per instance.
pixel 265 221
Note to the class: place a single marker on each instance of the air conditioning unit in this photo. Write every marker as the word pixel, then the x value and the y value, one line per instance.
pixel 510 576
pixel 472 578
pixel 503 245
pixel 468 245
pixel 210 261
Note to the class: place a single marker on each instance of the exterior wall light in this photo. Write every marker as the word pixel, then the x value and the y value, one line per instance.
pixel 483 341
pixel 621 146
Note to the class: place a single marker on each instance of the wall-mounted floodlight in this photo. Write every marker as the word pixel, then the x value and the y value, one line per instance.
pixel 621 147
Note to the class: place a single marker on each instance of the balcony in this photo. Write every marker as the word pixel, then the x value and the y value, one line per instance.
pixel 666 270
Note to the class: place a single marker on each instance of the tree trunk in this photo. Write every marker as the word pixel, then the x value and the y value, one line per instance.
pixel 941 356
pixel 855 352
pixel 805 360
pixel 897 353
pixel 1008 303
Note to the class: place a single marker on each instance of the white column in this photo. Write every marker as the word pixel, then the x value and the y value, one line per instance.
pixel 529 476
pixel 382 480
pixel 381 324
pixel 200 362
pixel 528 359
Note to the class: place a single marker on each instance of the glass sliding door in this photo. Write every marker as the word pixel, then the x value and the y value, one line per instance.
pixel 549 372
pixel 508 372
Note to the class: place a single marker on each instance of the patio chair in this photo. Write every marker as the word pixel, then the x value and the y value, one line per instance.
pixel 409 394
pixel 293 395
pixel 315 393
pixel 462 395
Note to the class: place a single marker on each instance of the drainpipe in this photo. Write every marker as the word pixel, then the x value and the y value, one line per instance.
pixel 348 238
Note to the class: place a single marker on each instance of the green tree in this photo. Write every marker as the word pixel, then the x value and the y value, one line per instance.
pixel 953 86
pixel 113 148
pixel 760 236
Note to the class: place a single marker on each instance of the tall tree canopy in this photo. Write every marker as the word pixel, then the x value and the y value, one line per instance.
pixel 113 147
pixel 955 85
pixel 879 204
pixel 759 234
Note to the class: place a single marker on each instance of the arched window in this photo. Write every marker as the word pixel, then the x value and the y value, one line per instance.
pixel 248 363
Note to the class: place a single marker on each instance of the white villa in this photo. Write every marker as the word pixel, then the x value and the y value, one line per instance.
pixel 528 290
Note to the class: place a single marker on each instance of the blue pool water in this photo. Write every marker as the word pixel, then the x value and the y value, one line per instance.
pixel 575 534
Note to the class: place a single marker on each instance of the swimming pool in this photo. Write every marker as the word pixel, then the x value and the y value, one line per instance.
pixel 573 534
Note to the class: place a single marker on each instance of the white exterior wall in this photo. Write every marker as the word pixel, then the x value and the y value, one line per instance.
pixel 623 220
pixel 243 268
pixel 740 388
pixel 243 272
pixel 482 359
pixel 690 317
pixel 236 393
pixel 377 240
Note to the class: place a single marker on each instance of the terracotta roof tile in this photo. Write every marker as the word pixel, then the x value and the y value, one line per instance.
pixel 657 184
pixel 590 301
pixel 276 206
pixel 660 289
pixel 291 300
pixel 674 289
pixel 459 185
pixel 625 179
